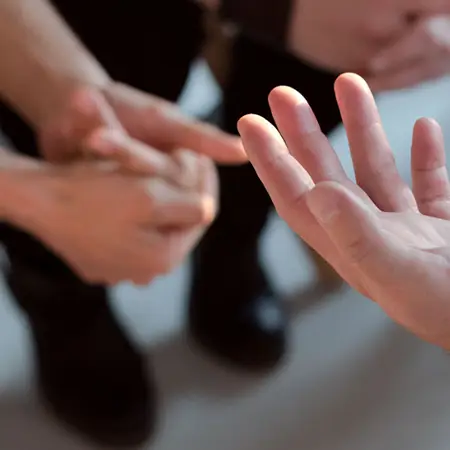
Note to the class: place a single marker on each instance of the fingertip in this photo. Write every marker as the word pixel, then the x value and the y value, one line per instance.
pixel 425 124
pixel 356 101
pixel 250 120
pixel 250 126
pixel 351 82
pixel 427 131
pixel 285 95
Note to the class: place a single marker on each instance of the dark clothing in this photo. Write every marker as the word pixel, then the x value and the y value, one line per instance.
pixel 262 19
pixel 228 256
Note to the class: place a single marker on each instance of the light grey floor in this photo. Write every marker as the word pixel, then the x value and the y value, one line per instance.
pixel 352 380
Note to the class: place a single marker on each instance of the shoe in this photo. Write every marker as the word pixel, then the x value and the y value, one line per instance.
pixel 90 375
pixel 234 317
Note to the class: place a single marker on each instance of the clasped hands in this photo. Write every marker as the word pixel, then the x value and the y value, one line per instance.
pixel 134 187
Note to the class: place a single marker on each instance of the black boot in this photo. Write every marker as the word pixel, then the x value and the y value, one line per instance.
pixel 233 313
pixel 90 375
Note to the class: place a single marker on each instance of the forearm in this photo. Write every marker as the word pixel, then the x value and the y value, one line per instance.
pixel 20 196
pixel 42 59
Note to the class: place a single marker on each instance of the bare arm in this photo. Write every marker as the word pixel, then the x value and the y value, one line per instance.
pixel 42 59
pixel 21 197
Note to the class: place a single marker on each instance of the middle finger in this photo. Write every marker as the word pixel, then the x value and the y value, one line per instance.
pixel 375 168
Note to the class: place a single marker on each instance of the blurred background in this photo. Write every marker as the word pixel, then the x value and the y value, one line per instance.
pixel 351 379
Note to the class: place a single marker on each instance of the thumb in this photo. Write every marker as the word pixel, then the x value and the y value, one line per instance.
pixel 87 110
pixel 357 233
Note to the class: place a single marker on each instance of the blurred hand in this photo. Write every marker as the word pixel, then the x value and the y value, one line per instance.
pixel 154 124
pixel 111 226
pixel 141 136
pixel 349 34
pixel 389 242
pixel 422 53
pixel 343 35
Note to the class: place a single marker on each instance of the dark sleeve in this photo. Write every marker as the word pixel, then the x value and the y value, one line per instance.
pixel 264 19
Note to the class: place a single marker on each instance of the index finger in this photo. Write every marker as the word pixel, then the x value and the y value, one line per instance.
pixel 284 178
pixel 178 131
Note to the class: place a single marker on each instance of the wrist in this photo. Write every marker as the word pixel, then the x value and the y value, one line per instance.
pixel 26 198
pixel 53 105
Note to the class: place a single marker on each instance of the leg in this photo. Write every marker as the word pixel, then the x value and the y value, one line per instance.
pixel 231 297
pixel 230 292
pixel 90 374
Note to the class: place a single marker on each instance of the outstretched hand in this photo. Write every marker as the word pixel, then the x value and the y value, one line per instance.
pixel 389 242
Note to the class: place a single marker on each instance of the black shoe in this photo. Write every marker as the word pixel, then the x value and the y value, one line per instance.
pixel 90 375
pixel 236 317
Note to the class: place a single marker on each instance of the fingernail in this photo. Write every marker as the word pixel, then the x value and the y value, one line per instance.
pixel 322 206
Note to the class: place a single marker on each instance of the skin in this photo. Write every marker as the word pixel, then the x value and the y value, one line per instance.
pixel 390 242
pixel 393 43
pixel 127 159
pixel 107 223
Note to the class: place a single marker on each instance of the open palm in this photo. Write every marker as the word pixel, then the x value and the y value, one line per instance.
pixel 389 242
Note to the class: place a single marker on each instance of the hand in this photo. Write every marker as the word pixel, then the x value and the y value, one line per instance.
pixel 389 242
pixel 111 226
pixel 343 35
pixel 152 123
pixel 348 34
pixel 420 54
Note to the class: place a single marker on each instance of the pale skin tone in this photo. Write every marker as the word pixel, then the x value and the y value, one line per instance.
pixel 394 43
pixel 390 242
pixel 48 66
pixel 78 111
pixel 135 220
pixel 108 224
